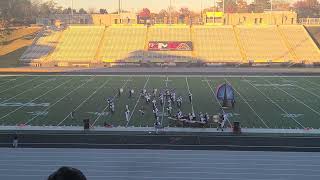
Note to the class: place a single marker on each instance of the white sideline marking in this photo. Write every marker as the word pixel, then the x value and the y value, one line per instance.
pixel 190 92
pixel 73 90
pixel 32 100
pixel 276 104
pixel 18 85
pixel 123 86
pixel 295 98
pixel 137 102
pixel 215 97
pixel 248 105
pixel 84 101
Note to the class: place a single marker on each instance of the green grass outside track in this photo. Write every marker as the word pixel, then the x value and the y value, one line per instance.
pixel 261 102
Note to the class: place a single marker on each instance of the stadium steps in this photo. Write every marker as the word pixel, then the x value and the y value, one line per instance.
pixel 193 53
pixel 216 45
pixel 78 46
pixel 263 44
pixel 48 58
pixel 286 42
pixel 242 51
pixel 146 42
pixel 98 57
pixel 30 48
pixel 313 43
pixel 169 33
pixel 301 43
pixel 124 44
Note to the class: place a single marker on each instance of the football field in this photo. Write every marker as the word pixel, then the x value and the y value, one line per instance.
pixel 286 102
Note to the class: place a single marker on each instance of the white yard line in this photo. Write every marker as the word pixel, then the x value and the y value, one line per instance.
pixel 260 118
pixel 311 82
pixel 96 120
pixel 273 102
pixel 137 102
pixel 164 103
pixel 293 97
pixel 216 99
pixel 300 87
pixel 73 90
pixel 33 99
pixel 189 93
pixel 10 81
pixel 18 85
pixel 25 91
pixel 84 101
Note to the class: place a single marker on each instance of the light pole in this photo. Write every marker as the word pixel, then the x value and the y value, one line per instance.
pixel 119 7
pixel 223 6
pixel 214 11
pixel 170 9
pixel 201 15
pixel 71 21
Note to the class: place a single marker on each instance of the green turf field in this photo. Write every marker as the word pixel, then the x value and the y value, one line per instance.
pixel 261 102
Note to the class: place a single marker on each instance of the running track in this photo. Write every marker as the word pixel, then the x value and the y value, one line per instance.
pixel 113 164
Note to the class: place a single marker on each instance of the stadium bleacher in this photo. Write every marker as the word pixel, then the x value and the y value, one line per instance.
pixel 211 44
pixel 216 44
pixel 169 33
pixel 123 43
pixel 301 43
pixel 78 44
pixel 40 50
pixel 263 44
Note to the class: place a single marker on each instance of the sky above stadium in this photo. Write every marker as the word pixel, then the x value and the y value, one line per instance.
pixel 134 5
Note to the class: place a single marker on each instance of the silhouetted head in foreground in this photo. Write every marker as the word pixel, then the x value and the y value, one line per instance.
pixel 67 173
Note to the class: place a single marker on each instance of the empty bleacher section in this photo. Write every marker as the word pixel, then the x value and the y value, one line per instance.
pixel 263 44
pixel 214 44
pixel 301 44
pixel 78 44
pixel 169 33
pixel 44 45
pixel 18 33
pixel 123 43
pixel 99 45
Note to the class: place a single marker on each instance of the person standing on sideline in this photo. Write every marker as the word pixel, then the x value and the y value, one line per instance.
pixel 15 141
pixel 190 97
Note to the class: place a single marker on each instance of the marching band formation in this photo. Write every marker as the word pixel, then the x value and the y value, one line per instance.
pixel 167 100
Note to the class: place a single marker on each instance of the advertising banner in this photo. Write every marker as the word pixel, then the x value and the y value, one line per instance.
pixel 170 46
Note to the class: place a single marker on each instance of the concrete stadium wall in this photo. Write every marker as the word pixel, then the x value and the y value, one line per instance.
pixel 314 31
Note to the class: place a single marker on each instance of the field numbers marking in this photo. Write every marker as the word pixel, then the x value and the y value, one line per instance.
pixel 276 104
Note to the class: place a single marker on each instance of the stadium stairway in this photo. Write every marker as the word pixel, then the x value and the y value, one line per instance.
pixel 286 42
pixel 301 43
pixel 242 51
pixel 263 44
pixel 98 56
